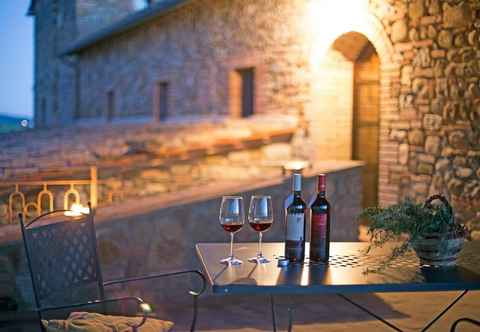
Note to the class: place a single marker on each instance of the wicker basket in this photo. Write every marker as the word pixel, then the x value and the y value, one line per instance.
pixel 438 249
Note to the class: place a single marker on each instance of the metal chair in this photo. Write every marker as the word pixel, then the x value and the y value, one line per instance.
pixel 62 258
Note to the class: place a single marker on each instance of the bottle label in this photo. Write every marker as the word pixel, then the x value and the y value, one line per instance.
pixel 295 226
pixel 319 227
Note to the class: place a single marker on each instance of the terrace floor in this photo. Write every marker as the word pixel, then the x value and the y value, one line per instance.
pixel 409 311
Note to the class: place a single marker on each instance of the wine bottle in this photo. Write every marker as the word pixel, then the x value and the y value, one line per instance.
pixel 320 224
pixel 295 223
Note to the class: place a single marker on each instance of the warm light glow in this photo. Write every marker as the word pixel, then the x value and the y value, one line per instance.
pixel 328 19
pixel 296 165
pixel 77 210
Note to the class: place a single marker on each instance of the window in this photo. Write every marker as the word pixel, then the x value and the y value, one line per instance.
pixel 242 92
pixel 161 105
pixel 110 105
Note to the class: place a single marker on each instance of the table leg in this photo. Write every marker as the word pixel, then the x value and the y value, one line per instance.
pixel 444 311
pixel 274 321
pixel 290 319
pixel 425 328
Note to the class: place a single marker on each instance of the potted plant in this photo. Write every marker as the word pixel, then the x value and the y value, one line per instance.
pixel 430 229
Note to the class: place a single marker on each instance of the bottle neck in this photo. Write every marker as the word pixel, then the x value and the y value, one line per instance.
pixel 297 183
pixel 322 185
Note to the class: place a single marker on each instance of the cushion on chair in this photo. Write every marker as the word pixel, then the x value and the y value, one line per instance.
pixel 94 322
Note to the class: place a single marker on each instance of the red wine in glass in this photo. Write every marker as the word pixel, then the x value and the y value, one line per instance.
pixel 232 228
pixel 260 227
pixel 232 219
pixel 260 218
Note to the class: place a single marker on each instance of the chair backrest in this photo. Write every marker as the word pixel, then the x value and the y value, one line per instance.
pixel 62 258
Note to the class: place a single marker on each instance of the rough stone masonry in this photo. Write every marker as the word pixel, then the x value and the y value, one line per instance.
pixel 430 70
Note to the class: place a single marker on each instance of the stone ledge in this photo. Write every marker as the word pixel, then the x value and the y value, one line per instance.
pixel 196 194
pixel 75 147
pixel 10 234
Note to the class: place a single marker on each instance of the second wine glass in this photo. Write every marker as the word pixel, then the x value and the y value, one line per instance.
pixel 260 218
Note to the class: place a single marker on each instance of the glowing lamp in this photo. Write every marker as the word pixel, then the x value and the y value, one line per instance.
pixel 76 210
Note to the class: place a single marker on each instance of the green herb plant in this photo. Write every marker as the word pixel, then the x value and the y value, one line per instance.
pixel 407 222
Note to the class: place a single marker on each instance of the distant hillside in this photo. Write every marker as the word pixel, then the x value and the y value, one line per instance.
pixel 10 123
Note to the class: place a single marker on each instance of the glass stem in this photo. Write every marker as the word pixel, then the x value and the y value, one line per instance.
pixel 231 245
pixel 259 253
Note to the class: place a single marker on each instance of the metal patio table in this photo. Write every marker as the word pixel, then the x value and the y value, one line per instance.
pixel 350 270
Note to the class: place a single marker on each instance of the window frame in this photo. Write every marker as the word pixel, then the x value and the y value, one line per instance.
pixel 167 78
pixel 234 66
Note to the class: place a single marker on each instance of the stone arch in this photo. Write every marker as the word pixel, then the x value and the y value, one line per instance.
pixel 388 192
pixel 372 29
pixel 375 33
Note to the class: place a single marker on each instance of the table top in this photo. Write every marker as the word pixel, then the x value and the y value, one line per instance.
pixel 349 271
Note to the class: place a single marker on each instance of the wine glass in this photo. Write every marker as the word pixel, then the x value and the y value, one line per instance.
pixel 232 219
pixel 260 217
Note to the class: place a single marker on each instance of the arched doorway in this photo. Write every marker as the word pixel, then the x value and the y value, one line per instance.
pixel 366 120
pixel 345 105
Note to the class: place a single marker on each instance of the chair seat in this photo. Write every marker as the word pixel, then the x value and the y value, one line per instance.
pixel 94 322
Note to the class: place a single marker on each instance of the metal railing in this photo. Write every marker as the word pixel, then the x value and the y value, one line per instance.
pixel 44 199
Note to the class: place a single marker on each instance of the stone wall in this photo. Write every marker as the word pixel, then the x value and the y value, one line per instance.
pixel 136 161
pixel 93 15
pixel 194 49
pixel 54 77
pixel 45 74
pixel 429 80
pixel 437 130
pixel 25 154
pixel 429 132
pixel 330 120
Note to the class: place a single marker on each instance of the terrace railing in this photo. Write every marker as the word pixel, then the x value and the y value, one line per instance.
pixel 35 197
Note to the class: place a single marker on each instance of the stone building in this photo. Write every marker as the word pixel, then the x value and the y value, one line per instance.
pixel 178 102
pixel 392 82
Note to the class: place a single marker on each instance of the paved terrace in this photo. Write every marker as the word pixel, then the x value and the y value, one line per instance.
pixel 409 311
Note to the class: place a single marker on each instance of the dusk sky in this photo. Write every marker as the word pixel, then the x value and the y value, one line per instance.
pixel 16 58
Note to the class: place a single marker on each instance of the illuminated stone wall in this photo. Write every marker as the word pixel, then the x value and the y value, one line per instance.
pixel 429 85
pixel 435 136
pixel 137 161
pixel 331 104
pixel 429 95
pixel 195 49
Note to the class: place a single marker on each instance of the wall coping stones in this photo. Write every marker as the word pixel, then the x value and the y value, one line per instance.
pixel 123 145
